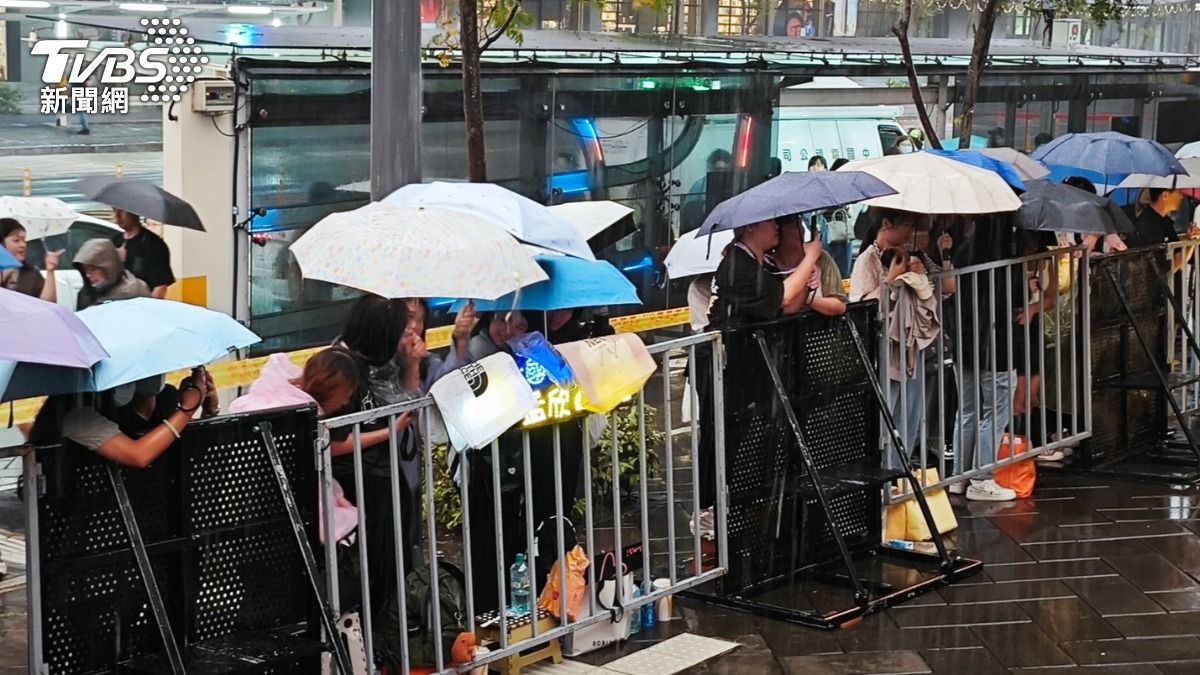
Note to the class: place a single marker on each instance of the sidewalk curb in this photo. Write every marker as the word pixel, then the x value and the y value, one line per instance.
pixel 75 149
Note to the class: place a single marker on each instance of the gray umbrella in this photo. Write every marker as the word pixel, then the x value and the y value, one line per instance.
pixel 1057 207
pixel 794 193
pixel 141 198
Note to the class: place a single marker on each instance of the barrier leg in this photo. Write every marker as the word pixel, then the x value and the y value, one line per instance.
pixel 174 659
pixel 341 657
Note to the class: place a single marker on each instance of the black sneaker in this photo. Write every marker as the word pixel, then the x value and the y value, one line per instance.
pixel 84 132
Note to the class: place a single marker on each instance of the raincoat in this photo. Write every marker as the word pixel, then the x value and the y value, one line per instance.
pixel 119 284
pixel 274 389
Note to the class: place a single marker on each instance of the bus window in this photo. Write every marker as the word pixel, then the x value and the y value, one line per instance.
pixel 888 135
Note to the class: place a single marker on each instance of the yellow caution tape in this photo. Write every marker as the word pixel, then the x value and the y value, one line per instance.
pixel 237 374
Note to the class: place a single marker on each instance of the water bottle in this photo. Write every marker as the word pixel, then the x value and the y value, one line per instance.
pixel 518 576
pixel 635 621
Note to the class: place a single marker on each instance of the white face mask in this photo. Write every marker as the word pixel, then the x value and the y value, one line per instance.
pixel 905 149
pixel 123 395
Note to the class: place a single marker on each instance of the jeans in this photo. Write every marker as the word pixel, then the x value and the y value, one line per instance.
pixel 986 425
pixel 82 119
pixel 911 417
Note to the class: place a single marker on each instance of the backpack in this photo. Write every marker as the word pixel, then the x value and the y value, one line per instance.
pixel 452 593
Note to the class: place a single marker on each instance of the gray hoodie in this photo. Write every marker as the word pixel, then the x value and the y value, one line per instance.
pixel 119 284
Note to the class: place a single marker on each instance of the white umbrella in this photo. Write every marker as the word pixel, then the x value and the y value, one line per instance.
pixel 1189 151
pixel 929 184
pixel 520 216
pixel 1026 167
pixel 1190 181
pixel 591 218
pixel 41 216
pixel 400 252
pixel 695 254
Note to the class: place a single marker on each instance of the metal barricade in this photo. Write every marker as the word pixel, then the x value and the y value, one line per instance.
pixel 1184 283
pixel 954 398
pixel 639 531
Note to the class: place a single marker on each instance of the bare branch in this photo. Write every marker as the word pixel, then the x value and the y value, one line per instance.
pixel 491 39
pixel 900 30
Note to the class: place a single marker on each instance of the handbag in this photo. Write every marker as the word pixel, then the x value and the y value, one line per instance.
pixel 603 598
pixel 609 369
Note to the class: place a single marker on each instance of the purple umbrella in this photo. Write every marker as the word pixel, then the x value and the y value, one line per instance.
pixel 794 193
pixel 36 331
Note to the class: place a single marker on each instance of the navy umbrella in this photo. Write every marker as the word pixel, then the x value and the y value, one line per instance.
pixel 1057 207
pixel 1111 154
pixel 793 193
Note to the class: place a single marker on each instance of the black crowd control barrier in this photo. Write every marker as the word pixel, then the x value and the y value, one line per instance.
pixel 229 589
pixel 805 478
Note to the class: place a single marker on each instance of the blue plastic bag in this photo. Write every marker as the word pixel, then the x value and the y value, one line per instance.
pixel 540 361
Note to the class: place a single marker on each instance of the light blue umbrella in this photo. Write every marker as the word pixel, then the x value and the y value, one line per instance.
pixel 7 261
pixel 520 216
pixel 144 337
pixel 982 161
pixel 573 283
pixel 1109 154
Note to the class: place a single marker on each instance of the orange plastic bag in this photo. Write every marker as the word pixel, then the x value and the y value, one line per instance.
pixel 577 564
pixel 1021 476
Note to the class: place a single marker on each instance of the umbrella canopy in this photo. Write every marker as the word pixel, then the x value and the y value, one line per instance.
pixel 141 198
pixel 1190 181
pixel 693 255
pixel 573 283
pixel 1189 151
pixel 1026 167
pixel 1057 207
pixel 7 261
pixel 37 331
pixel 144 337
pixel 934 185
pixel 40 216
pixel 523 218
pixel 1109 154
pixel 415 252
pixel 793 193
pixel 597 221
pixel 982 161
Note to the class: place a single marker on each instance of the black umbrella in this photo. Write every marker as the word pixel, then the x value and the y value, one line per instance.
pixel 141 198
pixel 1057 207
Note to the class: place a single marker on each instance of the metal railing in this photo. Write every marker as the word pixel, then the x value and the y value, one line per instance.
pixel 606 527
pixel 1184 284
pixel 989 364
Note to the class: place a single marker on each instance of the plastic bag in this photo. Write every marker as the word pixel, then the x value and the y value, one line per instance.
pixel 481 400
pixel 577 564
pixel 540 361
pixel 1021 476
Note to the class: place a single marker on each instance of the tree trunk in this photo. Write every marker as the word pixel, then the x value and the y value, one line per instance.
pixel 468 13
pixel 901 32
pixel 979 54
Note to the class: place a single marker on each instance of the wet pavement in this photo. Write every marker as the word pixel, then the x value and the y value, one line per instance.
pixel 1090 576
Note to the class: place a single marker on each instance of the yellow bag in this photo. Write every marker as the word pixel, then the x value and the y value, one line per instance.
pixel 609 369
pixel 904 520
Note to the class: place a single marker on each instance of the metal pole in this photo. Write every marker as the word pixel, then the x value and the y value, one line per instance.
pixel 395 96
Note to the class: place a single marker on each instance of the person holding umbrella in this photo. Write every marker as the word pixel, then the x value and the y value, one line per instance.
pixel 145 254
pixel 27 279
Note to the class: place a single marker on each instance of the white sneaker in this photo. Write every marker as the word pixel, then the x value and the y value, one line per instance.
pixel 1052 456
pixel 989 491
pixel 958 488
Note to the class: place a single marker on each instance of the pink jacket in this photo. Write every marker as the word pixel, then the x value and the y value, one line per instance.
pixel 274 389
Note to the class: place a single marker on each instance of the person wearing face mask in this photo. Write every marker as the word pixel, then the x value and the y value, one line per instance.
pixel 27 279
pixel 104 275
pixel 903 146
pixel 131 425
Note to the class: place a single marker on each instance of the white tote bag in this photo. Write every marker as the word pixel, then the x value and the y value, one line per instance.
pixel 603 633
pixel 482 400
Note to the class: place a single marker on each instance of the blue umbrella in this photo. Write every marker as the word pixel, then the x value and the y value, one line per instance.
pixel 573 283
pixel 1109 154
pixel 7 261
pixel 982 161
pixel 794 193
pixel 144 338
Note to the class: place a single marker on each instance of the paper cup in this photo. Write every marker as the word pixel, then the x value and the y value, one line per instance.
pixel 664 606
pixel 479 653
